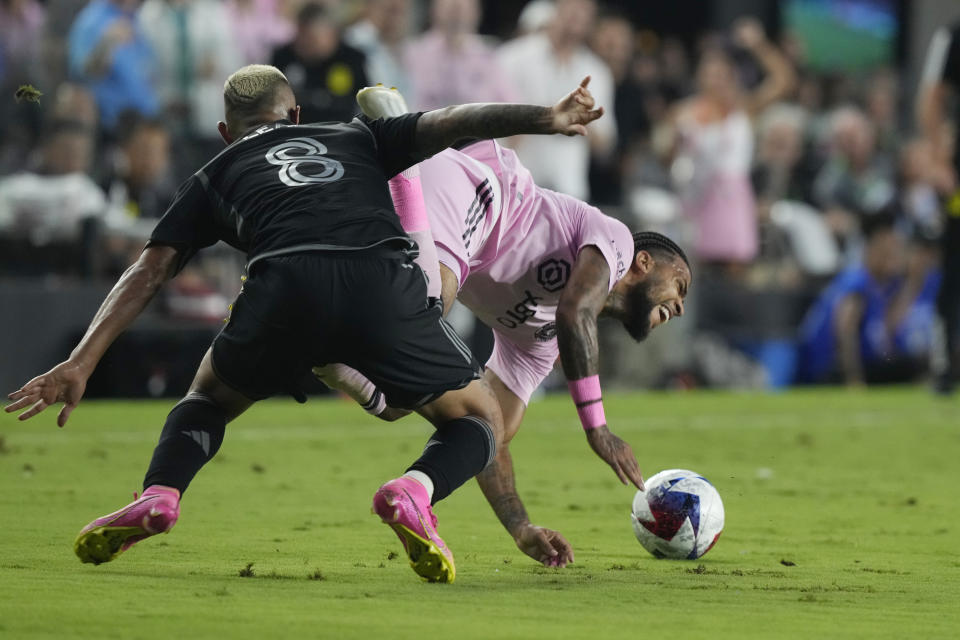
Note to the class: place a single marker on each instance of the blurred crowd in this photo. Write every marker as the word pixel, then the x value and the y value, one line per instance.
pixel 810 211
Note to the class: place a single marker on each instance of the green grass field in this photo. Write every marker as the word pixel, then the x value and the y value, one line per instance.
pixel 842 521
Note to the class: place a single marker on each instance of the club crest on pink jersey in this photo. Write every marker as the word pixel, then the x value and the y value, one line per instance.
pixel 552 274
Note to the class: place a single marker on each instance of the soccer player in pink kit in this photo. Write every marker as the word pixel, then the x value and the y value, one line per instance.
pixel 539 268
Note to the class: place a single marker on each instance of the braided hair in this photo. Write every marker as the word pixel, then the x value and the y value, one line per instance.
pixel 654 242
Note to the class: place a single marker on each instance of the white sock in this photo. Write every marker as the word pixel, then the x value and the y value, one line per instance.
pixel 423 479
pixel 353 383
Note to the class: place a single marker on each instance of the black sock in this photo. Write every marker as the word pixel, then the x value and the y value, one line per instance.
pixel 191 436
pixel 458 450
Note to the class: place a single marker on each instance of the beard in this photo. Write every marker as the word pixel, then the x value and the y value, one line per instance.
pixel 639 306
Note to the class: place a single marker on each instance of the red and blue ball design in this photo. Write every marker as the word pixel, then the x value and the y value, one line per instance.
pixel 678 515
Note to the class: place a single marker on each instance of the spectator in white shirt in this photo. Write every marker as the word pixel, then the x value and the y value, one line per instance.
pixel 195 52
pixel 382 37
pixel 48 205
pixel 540 65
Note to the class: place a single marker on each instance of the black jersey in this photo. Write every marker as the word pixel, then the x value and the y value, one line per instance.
pixel 286 188
pixel 325 88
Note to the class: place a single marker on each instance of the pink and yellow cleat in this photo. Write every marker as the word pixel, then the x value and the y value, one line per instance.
pixel 155 511
pixel 404 505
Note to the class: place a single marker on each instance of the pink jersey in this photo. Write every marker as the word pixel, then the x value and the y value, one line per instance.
pixel 512 245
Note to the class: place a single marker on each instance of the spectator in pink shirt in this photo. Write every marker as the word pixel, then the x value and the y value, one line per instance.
pixel 21 30
pixel 451 64
pixel 259 26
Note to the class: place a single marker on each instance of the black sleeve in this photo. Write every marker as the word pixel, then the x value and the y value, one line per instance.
pixel 951 67
pixel 187 226
pixel 396 141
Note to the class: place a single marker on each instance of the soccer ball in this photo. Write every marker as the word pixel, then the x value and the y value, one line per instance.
pixel 678 515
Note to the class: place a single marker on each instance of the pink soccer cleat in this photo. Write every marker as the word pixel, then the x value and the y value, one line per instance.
pixel 156 511
pixel 404 505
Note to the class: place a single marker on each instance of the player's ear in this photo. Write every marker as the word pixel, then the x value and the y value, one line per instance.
pixel 295 115
pixel 643 262
pixel 224 132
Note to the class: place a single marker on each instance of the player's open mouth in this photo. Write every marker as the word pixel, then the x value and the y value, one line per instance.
pixel 664 313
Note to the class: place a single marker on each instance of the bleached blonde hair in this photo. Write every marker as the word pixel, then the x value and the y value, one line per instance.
pixel 252 90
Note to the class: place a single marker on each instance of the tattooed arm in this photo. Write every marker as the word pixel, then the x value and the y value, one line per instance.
pixel 439 129
pixel 580 305
pixel 499 487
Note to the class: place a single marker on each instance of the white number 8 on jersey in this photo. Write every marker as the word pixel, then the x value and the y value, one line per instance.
pixel 307 151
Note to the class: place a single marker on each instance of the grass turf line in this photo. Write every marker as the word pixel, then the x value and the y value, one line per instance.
pixel 857 489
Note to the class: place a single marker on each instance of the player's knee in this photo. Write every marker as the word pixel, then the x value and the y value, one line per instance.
pixel 476 399
pixel 482 403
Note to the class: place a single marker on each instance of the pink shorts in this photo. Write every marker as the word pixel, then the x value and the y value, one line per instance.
pixel 522 369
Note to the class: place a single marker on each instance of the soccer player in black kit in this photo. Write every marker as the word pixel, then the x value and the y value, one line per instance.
pixel 941 76
pixel 330 278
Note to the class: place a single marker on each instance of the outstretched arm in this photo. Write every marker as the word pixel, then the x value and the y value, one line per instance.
pixel 580 305
pixel 780 77
pixel 67 381
pixel 498 484
pixel 439 129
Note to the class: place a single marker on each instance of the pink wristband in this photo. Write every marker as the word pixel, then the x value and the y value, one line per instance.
pixel 587 396
pixel 407 194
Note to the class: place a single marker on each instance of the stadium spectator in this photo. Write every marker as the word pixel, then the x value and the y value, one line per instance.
pixel 73 102
pixel 873 323
pixel 258 27
pixel 881 104
pixel 382 37
pixel 60 16
pixel 43 210
pixel 21 28
pixel 139 184
pixel 715 146
pixel 535 16
pixel 854 181
pixel 195 52
pixel 324 72
pixel 676 72
pixel 451 64
pixel 613 40
pixel 109 53
pixel 779 169
pixel 539 65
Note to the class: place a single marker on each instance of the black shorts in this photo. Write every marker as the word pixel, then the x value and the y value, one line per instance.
pixel 367 309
